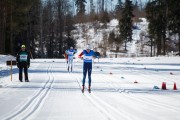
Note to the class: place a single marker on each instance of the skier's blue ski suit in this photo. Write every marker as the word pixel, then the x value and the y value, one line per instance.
pixel 87 65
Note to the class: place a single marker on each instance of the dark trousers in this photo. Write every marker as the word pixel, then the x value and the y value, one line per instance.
pixel 87 67
pixel 21 67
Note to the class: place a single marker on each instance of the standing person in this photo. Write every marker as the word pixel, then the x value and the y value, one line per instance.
pixel 70 53
pixel 87 65
pixel 23 62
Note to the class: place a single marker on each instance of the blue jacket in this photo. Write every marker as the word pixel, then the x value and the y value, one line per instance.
pixel 70 52
pixel 87 56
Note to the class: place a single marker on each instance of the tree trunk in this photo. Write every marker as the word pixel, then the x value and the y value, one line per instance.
pixel 41 31
pixel 102 10
pixel 151 45
pixel 117 50
pixel 125 46
pixel 61 28
pixel 11 33
pixel 158 45
pixel 164 41
pixel 2 29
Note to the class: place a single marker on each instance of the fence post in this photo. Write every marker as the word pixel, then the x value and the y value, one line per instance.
pixel 11 63
pixel 11 69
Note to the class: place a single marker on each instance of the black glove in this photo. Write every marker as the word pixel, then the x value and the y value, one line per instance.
pixel 28 65
pixel 17 64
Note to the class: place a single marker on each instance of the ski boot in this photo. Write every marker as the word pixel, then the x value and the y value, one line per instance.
pixel 82 89
pixel 89 89
pixel 26 80
pixel 68 68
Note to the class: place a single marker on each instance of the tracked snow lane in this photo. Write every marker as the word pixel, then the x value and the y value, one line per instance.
pixel 55 94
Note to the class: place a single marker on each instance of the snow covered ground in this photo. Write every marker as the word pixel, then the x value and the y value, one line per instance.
pixel 55 94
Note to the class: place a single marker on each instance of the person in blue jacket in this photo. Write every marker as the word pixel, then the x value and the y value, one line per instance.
pixel 70 54
pixel 88 55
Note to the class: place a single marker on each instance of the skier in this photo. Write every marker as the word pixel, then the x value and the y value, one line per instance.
pixel 70 53
pixel 23 62
pixel 87 65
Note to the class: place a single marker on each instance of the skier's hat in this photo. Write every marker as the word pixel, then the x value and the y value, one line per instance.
pixel 23 46
pixel 88 47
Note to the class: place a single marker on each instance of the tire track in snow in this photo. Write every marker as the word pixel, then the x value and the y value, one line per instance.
pixel 33 104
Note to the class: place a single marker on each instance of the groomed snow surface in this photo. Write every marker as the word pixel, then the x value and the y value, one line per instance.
pixel 55 94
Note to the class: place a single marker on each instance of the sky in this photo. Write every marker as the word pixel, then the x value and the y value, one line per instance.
pixel 108 4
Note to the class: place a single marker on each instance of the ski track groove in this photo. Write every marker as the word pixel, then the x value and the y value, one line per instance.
pixel 118 111
pixel 141 99
pixel 143 72
pixel 32 105
pixel 161 78
pixel 104 107
pixel 156 102
pixel 99 107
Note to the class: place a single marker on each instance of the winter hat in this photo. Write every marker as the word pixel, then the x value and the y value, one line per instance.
pixel 23 46
pixel 88 47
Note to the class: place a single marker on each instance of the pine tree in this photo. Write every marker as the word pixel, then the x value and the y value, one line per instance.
pixel 80 4
pixel 174 18
pixel 105 18
pixel 163 17
pixel 118 9
pixel 15 20
pixel 125 23
pixel 111 38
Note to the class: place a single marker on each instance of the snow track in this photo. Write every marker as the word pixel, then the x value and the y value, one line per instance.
pixel 105 108
pixel 32 105
pixel 55 94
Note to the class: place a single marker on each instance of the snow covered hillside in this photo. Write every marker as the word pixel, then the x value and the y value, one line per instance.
pixel 97 35
pixel 122 89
